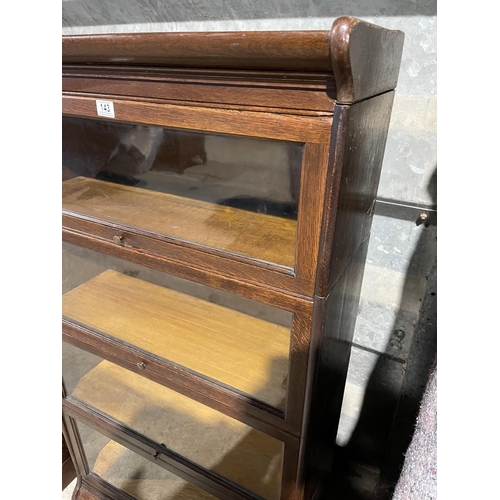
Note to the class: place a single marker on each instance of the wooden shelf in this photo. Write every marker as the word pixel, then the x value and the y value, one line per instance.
pixel 208 438
pixel 241 351
pixel 259 236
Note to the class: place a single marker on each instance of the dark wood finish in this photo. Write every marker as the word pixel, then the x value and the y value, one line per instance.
pixel 211 270
pixel 291 50
pixel 359 151
pixel 65 451
pixel 251 124
pixel 365 59
pixel 75 447
pixel 314 176
pixel 358 143
pixel 68 469
pixel 331 91
pixel 298 93
pixel 335 324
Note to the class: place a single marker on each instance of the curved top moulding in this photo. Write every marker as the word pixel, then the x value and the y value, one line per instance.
pixel 363 57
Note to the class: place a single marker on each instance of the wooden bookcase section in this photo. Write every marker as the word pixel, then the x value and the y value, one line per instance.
pixel 166 394
pixel 211 439
pixel 271 239
pixel 226 346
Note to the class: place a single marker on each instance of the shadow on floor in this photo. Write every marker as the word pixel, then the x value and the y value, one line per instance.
pixel 368 467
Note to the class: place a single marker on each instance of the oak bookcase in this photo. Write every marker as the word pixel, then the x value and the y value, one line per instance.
pixel 218 192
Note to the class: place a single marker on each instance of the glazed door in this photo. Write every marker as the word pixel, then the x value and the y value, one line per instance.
pixel 238 204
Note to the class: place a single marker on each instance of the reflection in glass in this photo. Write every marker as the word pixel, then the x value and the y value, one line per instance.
pixel 249 458
pixel 233 341
pixel 234 193
pixel 132 473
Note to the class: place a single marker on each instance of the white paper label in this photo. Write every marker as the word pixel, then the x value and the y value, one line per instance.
pixel 105 108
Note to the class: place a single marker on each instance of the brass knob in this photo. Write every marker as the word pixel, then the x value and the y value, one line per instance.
pixel 141 366
pixel 118 239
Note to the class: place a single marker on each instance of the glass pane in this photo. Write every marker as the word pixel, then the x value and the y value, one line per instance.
pixel 236 342
pixel 234 193
pixel 132 473
pixel 249 458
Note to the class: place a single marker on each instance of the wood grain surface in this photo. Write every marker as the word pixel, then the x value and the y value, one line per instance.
pixel 251 234
pixel 365 59
pixel 358 167
pixel 297 50
pixel 227 346
pixel 267 125
pixel 298 93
